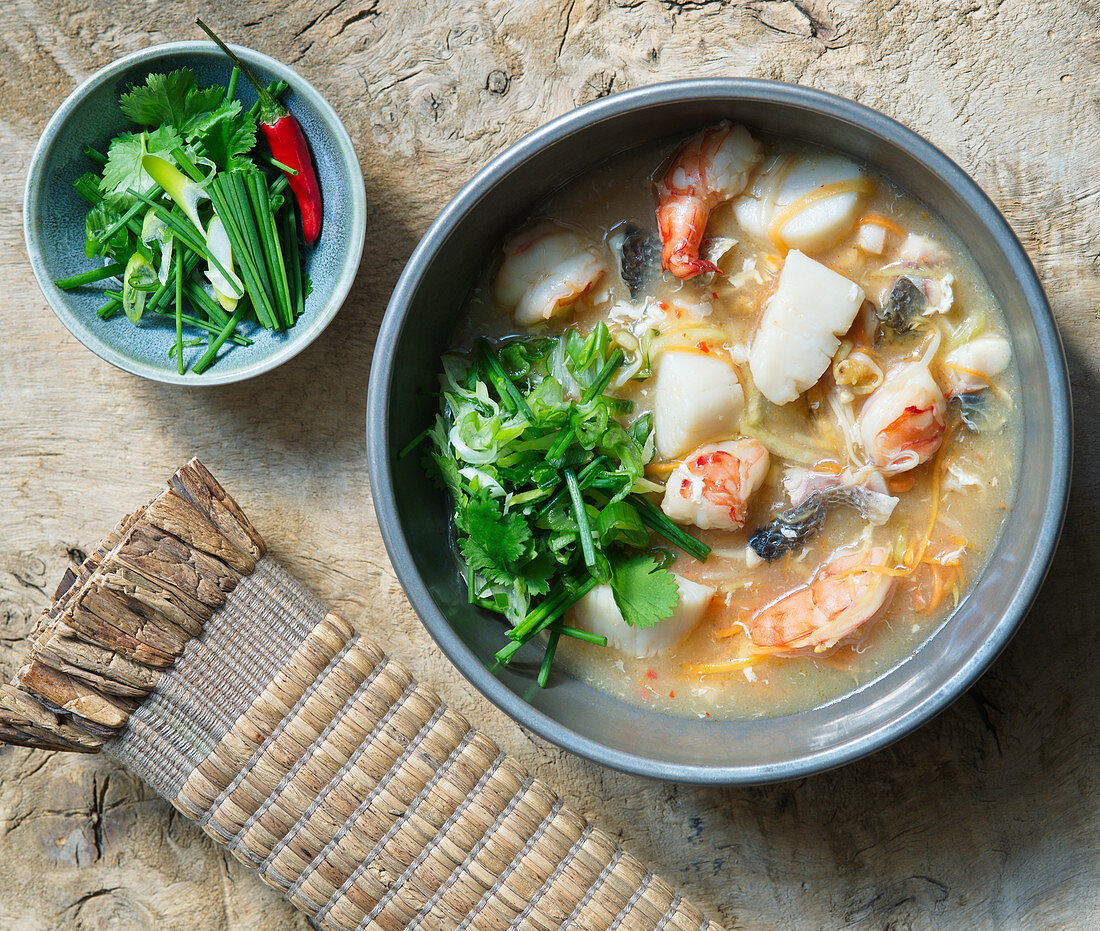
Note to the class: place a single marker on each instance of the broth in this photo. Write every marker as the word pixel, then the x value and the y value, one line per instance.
pixel 715 671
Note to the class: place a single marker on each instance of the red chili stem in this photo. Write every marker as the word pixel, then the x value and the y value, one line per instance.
pixel 270 109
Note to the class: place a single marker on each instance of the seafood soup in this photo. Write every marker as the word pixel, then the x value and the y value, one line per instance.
pixel 822 386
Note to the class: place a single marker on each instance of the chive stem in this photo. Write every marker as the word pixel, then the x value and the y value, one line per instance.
pixel 603 379
pixel 548 658
pixel 269 244
pixel 212 350
pixel 581 515
pixel 162 295
pixel 234 184
pixel 289 221
pixel 179 314
pixel 94 154
pixel 414 442
pixel 110 308
pixel 234 77
pixel 549 610
pixel 100 242
pixel 187 233
pixel 584 478
pixel 221 191
pixel 275 163
pixel 656 521
pixel 197 295
pixel 96 274
pixel 185 162
pixel 577 634
pixel 209 327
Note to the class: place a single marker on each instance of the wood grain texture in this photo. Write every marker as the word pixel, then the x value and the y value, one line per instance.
pixel 985 818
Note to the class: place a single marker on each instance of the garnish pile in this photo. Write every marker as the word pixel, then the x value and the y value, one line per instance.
pixel 548 487
pixel 193 218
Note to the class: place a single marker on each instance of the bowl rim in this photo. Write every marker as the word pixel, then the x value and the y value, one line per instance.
pixel 357 209
pixel 393 323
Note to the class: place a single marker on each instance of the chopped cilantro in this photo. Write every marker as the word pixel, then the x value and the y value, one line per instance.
pixel 542 467
pixel 225 135
pixel 123 171
pixel 645 592
pixel 170 100
pixel 493 543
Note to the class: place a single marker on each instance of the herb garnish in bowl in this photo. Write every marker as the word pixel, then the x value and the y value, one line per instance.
pixel 193 218
pixel 548 486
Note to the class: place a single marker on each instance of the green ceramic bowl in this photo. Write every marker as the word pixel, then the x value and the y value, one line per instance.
pixel 53 216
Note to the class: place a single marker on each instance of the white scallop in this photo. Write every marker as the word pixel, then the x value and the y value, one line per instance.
pixel 798 334
pixel 820 224
pixel 698 398
pixel 597 613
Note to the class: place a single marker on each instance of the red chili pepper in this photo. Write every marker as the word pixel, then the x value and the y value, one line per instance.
pixel 288 145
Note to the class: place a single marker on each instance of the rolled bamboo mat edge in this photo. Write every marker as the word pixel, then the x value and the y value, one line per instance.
pixel 190 656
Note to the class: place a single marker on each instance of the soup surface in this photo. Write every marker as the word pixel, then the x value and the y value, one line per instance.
pixel 832 385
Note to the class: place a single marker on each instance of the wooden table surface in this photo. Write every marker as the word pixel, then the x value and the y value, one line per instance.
pixel 988 817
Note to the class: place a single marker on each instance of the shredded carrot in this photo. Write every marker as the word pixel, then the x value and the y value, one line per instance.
pixel 966 371
pixel 732 665
pixel 888 570
pixel 664 468
pixel 879 220
pixel 899 484
pixel 937 591
pixel 934 513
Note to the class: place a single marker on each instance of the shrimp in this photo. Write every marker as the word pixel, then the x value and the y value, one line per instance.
pixel 546 269
pixel 903 423
pixel 845 594
pixel 711 487
pixel 712 168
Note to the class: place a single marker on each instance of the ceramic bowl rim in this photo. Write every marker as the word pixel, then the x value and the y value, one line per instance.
pixel 318 320
pixel 758 90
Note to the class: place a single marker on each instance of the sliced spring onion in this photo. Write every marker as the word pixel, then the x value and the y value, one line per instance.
pixel 137 281
pixel 217 241
pixel 177 185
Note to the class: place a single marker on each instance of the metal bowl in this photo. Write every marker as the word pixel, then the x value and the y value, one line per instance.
pixel 53 215
pixel 413 515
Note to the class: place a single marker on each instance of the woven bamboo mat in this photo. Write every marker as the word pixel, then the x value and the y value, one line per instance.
pixel 185 652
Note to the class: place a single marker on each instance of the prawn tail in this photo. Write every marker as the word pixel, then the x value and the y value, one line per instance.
pixel 684 267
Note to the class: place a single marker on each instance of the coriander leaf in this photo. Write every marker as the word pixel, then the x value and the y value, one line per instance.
pixel 644 592
pixel 447 471
pixel 495 543
pixel 169 100
pixel 123 169
pixel 225 136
